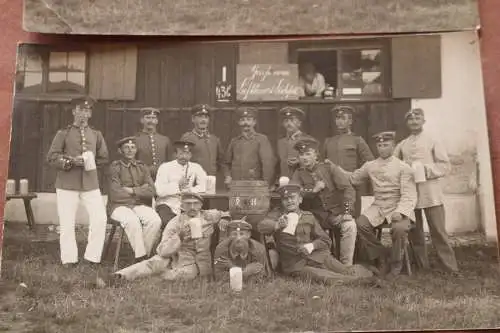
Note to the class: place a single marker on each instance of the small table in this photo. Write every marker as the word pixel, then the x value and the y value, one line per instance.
pixel 27 205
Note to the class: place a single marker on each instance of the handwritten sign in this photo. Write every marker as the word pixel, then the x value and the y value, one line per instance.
pixel 223 91
pixel 268 82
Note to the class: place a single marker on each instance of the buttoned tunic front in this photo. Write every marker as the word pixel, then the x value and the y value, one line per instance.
pixel 153 149
pixel 425 149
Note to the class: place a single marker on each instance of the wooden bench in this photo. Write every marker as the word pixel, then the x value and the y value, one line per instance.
pixel 27 206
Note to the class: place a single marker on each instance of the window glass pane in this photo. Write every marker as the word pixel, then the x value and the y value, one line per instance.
pixel 76 61
pixel 33 62
pixel 58 61
pixel 32 79
pixel 361 72
pixel 63 82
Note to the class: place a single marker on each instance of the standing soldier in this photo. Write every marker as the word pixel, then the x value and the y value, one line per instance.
pixel 207 149
pixel 152 148
pixel 77 151
pixel 131 185
pixel 288 157
pixel 346 149
pixel 421 149
pixel 328 195
pixel 249 156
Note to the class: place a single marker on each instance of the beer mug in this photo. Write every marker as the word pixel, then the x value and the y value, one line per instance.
pixel 284 181
pixel 23 186
pixel 236 278
pixel 211 184
pixel 10 187
pixel 293 220
pixel 195 227
pixel 88 161
pixel 419 172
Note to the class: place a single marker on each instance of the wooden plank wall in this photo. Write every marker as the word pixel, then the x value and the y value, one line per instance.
pixel 173 78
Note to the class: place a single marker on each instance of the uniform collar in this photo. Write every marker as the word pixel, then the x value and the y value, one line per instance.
pixel 127 163
pixel 295 135
pixel 76 126
pixel 149 133
pixel 201 134
pixel 249 135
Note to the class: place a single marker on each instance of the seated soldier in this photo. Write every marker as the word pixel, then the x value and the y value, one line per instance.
pixel 328 194
pixel 184 250
pixel 240 250
pixel 130 190
pixel 303 246
pixel 395 196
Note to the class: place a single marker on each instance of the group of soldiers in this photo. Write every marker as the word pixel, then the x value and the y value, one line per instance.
pixel 156 188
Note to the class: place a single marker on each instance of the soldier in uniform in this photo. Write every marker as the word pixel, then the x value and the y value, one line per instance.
pixel 288 160
pixel 346 149
pixel 249 156
pixel 74 184
pixel 303 246
pixel 152 147
pixel 176 177
pixel 239 250
pixel 184 249
pixel 395 199
pixel 207 150
pixel 328 195
pixel 131 186
pixel 421 147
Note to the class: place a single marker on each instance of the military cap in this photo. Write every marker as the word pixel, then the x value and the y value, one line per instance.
pixel 184 145
pixel 149 111
pixel 288 112
pixel 200 109
pixel 247 111
pixel 289 189
pixel 86 102
pixel 343 109
pixel 414 112
pixel 191 196
pixel 385 136
pixel 240 225
pixel 305 144
pixel 128 139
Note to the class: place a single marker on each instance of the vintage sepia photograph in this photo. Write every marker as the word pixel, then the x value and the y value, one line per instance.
pixel 247 17
pixel 326 184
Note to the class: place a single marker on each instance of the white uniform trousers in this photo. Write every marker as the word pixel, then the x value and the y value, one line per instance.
pixel 67 205
pixel 142 225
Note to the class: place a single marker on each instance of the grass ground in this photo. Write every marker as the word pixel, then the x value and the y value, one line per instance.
pixel 56 299
pixel 247 17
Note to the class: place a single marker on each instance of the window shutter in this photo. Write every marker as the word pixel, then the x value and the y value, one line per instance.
pixel 263 53
pixel 113 72
pixel 416 67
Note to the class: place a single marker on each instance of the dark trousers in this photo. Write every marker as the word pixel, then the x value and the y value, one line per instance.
pixel 166 214
pixel 373 249
pixel 436 221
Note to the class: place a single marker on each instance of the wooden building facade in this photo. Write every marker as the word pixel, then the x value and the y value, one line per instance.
pixel 175 76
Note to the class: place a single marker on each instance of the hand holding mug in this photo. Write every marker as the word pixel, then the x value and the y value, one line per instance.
pixel 319 186
pixel 282 222
pixel 78 160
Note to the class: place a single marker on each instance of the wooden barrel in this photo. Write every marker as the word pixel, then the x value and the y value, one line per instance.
pixel 249 197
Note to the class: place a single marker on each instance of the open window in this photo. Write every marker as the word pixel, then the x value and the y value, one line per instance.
pixel 336 71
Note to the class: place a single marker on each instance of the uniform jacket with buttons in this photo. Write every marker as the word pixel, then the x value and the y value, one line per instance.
pixel 72 142
pixel 153 149
pixel 207 151
pixel 349 151
pixel 134 174
pixel 338 193
pixel 308 230
pixel 250 158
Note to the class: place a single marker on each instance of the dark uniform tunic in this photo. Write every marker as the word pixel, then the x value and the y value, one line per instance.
pixel 350 152
pixel 207 151
pixel 337 197
pixel 250 158
pixel 153 149
pixel 72 142
pixel 134 174
pixel 286 150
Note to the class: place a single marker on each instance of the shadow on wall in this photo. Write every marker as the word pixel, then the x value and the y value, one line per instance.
pixel 463 176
